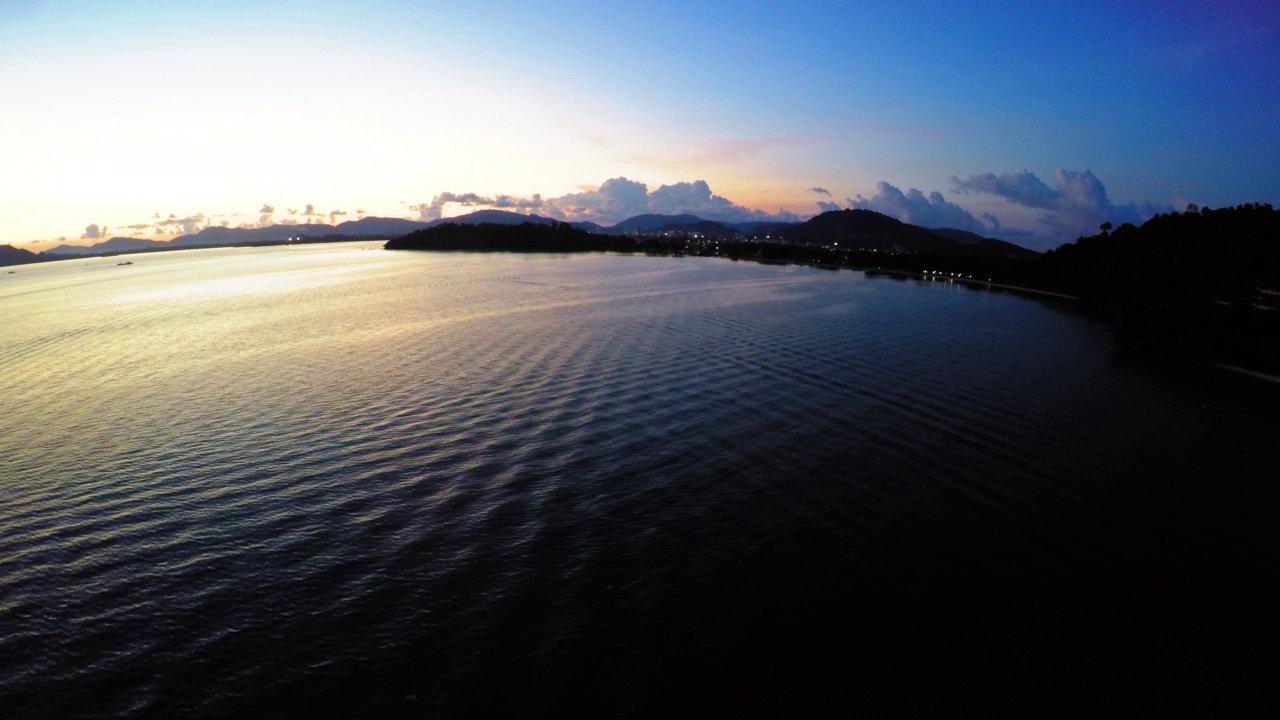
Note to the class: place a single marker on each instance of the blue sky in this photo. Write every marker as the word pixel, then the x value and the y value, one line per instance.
pixel 1028 121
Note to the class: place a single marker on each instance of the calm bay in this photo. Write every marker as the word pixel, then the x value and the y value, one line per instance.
pixel 334 479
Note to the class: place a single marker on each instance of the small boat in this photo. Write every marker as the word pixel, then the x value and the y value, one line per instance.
pixel 126 262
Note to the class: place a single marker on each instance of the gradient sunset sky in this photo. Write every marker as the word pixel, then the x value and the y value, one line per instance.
pixel 1029 121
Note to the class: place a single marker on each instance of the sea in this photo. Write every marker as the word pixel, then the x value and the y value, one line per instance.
pixel 341 481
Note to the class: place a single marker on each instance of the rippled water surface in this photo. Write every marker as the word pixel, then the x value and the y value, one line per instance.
pixel 333 479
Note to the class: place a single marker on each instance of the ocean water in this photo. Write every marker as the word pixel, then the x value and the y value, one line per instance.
pixel 338 480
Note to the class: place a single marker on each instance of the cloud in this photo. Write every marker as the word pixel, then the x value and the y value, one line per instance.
pixel 310 210
pixel 913 206
pixel 292 211
pixel 820 191
pixel 93 232
pixel 264 216
pixel 182 226
pixel 824 206
pixel 266 209
pixel 507 201
pixel 336 213
pixel 434 209
pixel 1019 187
pixel 619 198
pixel 1075 205
pixel 616 199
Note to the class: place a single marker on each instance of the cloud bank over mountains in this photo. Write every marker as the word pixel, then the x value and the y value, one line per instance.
pixel 614 201
pixel 1076 204
pixel 913 206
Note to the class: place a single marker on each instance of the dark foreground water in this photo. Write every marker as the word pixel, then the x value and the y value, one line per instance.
pixel 335 480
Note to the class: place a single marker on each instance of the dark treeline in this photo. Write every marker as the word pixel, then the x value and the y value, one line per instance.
pixel 1203 283
pixel 525 237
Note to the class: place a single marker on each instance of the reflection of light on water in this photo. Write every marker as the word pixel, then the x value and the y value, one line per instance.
pixel 262 284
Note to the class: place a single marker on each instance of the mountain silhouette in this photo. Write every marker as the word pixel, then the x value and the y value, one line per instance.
pixel 650 222
pixel 870 230
pixel 10 255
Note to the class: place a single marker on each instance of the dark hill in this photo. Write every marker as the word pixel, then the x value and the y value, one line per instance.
pixel 496 217
pixel 867 230
pixel 651 222
pixel 114 245
pixel 378 227
pixel 1204 282
pixel 10 255
pixel 534 237
pixel 960 236
pixel 1210 255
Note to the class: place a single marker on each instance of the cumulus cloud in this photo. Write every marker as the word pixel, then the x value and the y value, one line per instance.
pixel 1075 205
pixel 913 206
pixel 820 191
pixel 93 232
pixel 824 206
pixel 434 209
pixel 264 215
pixel 1020 187
pixel 619 198
pixel 182 226
pixel 613 201
pixel 336 213
pixel 509 202
pixel 310 210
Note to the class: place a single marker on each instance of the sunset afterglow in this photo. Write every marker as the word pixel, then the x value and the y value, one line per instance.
pixel 131 118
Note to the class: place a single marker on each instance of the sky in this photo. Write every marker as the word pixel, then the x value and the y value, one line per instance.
pixel 1029 121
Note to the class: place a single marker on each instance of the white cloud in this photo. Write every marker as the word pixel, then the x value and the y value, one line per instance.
pixel 1076 205
pixel 913 206
pixel 616 199
pixel 93 232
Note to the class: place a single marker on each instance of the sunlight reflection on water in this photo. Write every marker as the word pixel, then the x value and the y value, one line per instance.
pixel 324 477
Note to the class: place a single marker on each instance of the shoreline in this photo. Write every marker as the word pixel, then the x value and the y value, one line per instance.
pixel 969 281
pixel 1256 374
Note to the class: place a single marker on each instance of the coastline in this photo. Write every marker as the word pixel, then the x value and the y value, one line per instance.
pixel 1256 374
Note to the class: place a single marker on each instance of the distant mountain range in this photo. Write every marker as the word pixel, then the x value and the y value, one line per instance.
pixel 850 228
